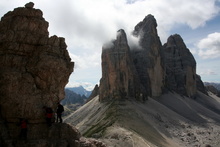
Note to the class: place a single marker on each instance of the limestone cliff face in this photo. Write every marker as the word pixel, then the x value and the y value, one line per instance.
pixel 180 67
pixel 148 58
pixel 119 77
pixel 34 69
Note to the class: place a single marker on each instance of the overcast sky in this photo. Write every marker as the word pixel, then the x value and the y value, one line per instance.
pixel 88 24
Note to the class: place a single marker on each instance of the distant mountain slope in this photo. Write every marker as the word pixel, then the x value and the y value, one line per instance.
pixel 216 85
pixel 73 98
pixel 170 120
pixel 80 90
pixel 72 101
pixel 213 87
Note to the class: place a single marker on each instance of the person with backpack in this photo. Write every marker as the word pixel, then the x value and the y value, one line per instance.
pixel 23 125
pixel 49 115
pixel 60 110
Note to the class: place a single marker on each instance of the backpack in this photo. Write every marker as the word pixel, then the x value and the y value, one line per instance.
pixel 60 109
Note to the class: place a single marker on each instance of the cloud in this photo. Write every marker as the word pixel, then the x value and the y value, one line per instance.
pixel 209 47
pixel 208 72
pixel 84 61
pixel 88 86
pixel 87 22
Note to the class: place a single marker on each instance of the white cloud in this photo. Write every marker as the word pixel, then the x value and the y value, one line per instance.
pixel 208 72
pixel 86 61
pixel 88 86
pixel 209 47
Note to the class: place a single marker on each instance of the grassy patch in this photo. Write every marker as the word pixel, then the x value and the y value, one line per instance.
pixel 110 117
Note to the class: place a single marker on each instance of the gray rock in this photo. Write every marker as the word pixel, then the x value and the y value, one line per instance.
pixel 119 77
pixel 180 67
pixel 200 85
pixel 148 60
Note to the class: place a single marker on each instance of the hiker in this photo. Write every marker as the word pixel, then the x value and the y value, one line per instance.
pixel 49 115
pixel 60 110
pixel 23 125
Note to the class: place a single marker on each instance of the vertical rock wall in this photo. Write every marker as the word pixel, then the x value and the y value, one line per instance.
pixel 148 59
pixel 180 67
pixel 119 77
pixel 34 69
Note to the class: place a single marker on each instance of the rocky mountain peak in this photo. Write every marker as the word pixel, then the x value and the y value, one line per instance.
pixel 121 37
pixel 180 66
pixel 148 24
pixel 148 60
pixel 118 71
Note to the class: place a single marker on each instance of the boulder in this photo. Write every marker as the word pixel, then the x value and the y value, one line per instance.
pixel 29 5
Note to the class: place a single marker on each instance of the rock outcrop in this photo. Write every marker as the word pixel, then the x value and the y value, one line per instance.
pixel 180 67
pixel 200 85
pixel 148 58
pixel 119 77
pixel 94 93
pixel 34 67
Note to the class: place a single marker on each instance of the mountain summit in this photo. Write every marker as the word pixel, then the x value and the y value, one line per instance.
pixel 119 77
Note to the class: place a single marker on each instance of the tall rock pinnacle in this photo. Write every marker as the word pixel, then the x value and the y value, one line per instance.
pixel 119 79
pixel 148 59
pixel 34 69
pixel 180 67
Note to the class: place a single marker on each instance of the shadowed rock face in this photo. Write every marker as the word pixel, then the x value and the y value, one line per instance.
pixel 34 69
pixel 119 77
pixel 180 67
pixel 200 85
pixel 148 59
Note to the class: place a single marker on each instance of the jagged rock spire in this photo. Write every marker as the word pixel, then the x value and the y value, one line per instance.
pixel 180 67
pixel 148 59
pixel 119 77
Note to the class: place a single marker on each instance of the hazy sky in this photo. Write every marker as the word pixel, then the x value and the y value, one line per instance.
pixel 88 24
